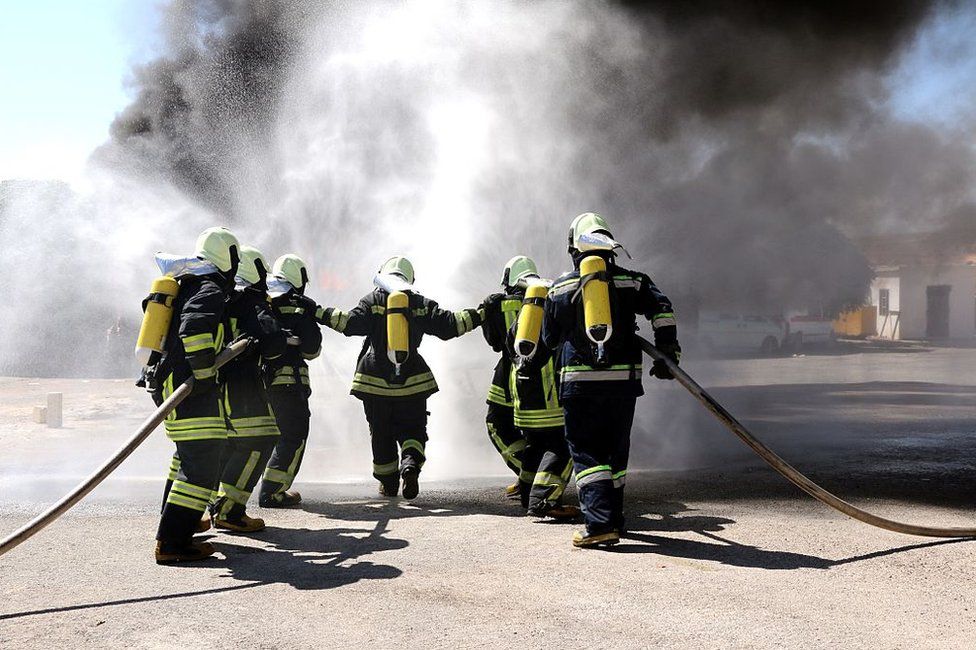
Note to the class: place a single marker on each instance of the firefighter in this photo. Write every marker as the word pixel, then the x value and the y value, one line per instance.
pixel 392 379
pixel 254 431
pixel 538 415
pixel 289 387
pixel 501 310
pixel 198 427
pixel 590 321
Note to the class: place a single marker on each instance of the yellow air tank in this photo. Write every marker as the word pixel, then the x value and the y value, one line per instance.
pixel 156 319
pixel 596 302
pixel 530 322
pixel 397 328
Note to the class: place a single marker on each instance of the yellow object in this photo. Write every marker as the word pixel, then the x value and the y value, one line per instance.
pixel 858 323
pixel 397 328
pixel 596 301
pixel 156 320
pixel 530 321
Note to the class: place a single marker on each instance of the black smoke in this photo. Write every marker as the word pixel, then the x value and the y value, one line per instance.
pixel 737 146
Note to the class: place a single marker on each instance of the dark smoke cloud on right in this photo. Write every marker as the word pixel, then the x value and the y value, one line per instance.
pixel 739 147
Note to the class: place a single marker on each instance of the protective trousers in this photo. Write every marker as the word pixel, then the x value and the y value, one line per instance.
pixel 598 433
pixel 292 414
pixel 245 458
pixel 190 487
pixel 504 435
pixel 546 468
pixel 198 428
pixel 393 424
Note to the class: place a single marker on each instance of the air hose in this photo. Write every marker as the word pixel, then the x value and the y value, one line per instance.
pixel 787 470
pixel 47 517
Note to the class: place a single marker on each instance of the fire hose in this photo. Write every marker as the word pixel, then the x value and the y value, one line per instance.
pixel 47 517
pixel 787 470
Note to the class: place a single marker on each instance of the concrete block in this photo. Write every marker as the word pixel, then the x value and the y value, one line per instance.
pixel 40 414
pixel 54 410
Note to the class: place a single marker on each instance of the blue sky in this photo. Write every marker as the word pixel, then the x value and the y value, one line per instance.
pixel 63 65
pixel 62 68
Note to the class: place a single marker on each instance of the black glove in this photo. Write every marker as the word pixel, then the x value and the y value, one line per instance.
pixel 203 386
pixel 672 351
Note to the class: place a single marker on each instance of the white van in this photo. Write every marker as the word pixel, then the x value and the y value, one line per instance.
pixel 734 332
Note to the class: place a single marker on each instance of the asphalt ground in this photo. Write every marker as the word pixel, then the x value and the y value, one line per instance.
pixel 722 552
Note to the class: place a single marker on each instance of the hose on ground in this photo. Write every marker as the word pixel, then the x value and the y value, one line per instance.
pixel 47 517
pixel 787 470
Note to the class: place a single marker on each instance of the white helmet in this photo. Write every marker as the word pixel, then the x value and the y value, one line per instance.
pixel 291 268
pixel 220 247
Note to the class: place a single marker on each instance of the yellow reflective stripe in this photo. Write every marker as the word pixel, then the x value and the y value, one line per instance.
pixel 420 311
pixel 255 421
pixel 277 476
pixel 291 310
pixel 393 392
pixel 549 386
pixel 412 444
pixel 233 493
pixel 298 457
pixel 379 381
pixel 386 468
pixel 252 462
pixel 593 470
pixel 186 502
pixel 190 489
pixel 204 373
pixel 464 322
pixel 193 423
pixel 198 342
pixel 174 468
pixel 378 309
pixel 527 476
pixel 549 480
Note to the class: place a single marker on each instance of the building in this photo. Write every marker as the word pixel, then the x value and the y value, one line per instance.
pixel 924 286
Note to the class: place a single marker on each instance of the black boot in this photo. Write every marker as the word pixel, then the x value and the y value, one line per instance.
pixel 411 481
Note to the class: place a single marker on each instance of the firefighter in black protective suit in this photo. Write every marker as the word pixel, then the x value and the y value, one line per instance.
pixel 253 429
pixel 197 425
pixel 395 382
pixel 289 385
pixel 501 311
pixel 601 380
pixel 546 462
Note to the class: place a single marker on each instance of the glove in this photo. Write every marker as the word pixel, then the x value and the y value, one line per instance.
pixel 672 351
pixel 203 386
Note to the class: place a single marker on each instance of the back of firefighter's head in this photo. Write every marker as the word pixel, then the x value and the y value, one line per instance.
pixel 220 247
pixel 399 266
pixel 253 270
pixel 291 268
pixel 517 272
pixel 587 223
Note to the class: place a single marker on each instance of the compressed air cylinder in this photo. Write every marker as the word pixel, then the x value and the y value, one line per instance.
pixel 596 302
pixel 530 321
pixel 156 319
pixel 397 328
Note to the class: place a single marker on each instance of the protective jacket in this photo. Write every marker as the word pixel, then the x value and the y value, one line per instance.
pixel 501 311
pixel 296 315
pixel 534 388
pixel 375 374
pixel 631 293
pixel 245 391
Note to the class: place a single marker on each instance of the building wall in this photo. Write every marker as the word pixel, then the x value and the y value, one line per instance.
pixel 888 326
pixel 913 301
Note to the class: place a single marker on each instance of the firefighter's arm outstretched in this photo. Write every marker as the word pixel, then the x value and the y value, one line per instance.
pixel 446 324
pixel 355 322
